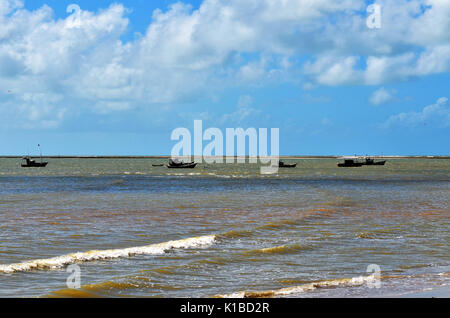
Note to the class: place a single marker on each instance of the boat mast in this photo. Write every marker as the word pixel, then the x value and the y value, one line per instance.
pixel 40 151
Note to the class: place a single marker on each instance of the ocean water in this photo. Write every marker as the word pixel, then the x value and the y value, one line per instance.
pixel 224 230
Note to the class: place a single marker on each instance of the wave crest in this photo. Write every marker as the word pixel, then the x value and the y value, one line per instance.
pixel 60 261
pixel 348 282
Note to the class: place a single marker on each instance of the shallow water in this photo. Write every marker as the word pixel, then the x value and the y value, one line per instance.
pixel 223 230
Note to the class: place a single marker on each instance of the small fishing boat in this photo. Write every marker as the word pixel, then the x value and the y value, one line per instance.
pixel 350 163
pixel 28 162
pixel 181 165
pixel 371 162
pixel 281 164
pixel 158 165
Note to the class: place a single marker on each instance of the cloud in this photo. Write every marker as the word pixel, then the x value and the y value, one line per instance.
pixel 244 112
pixel 333 71
pixel 82 65
pixel 48 64
pixel 380 96
pixel 6 6
pixel 414 41
pixel 436 115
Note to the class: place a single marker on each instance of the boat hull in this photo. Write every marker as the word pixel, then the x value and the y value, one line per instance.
pixel 345 165
pixel 183 166
pixel 288 166
pixel 36 165
pixel 379 163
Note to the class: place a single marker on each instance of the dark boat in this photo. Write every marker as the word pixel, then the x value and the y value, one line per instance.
pixel 350 163
pixel 160 165
pixel 181 165
pixel 28 162
pixel 31 163
pixel 371 162
pixel 283 165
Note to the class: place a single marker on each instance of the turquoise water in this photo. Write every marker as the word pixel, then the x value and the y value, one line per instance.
pixel 311 231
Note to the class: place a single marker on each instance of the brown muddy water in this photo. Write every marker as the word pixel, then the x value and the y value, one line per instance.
pixel 223 230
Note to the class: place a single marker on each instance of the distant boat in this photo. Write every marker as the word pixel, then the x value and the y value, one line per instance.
pixel 350 163
pixel 28 162
pixel 181 165
pixel 158 165
pixel 370 162
pixel 281 164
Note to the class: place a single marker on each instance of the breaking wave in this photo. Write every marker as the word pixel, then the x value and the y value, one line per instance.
pixel 343 282
pixel 60 261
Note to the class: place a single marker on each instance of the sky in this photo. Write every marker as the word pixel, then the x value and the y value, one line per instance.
pixel 98 77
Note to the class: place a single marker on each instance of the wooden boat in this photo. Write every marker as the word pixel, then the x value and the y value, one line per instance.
pixel 27 162
pixel 181 165
pixel 350 163
pixel 283 165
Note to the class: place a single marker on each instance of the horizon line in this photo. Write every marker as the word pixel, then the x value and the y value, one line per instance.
pixel 235 157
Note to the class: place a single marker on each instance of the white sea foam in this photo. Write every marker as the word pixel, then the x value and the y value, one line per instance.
pixel 60 261
pixel 348 282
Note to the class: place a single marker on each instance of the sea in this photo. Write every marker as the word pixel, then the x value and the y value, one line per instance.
pixel 123 228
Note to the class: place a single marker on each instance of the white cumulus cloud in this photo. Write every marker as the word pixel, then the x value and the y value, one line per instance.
pixel 436 115
pixel 80 64
pixel 381 96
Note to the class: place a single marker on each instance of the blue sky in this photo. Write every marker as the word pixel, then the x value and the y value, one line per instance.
pixel 117 77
